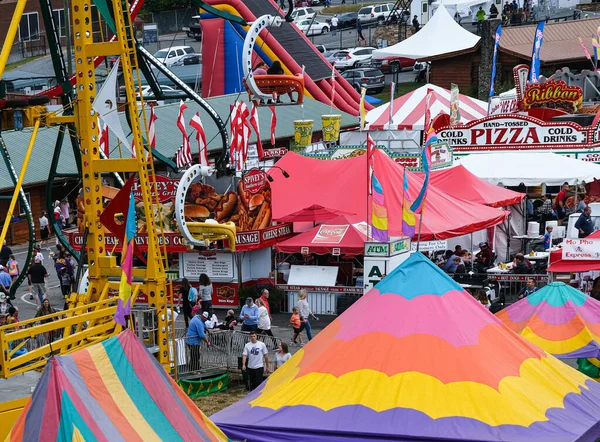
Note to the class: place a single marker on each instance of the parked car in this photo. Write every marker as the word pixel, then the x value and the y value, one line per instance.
pixel 377 13
pixel 321 48
pixel 303 14
pixel 371 79
pixel 169 56
pixel 334 56
pixel 194 30
pixel 353 57
pixel 396 64
pixel 148 94
pixel 346 20
pixel 188 59
pixel 312 27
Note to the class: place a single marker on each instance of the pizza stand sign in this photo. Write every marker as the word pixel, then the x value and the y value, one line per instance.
pixel 581 249
pixel 506 132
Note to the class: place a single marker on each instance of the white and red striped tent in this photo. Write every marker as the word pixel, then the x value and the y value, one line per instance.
pixel 409 110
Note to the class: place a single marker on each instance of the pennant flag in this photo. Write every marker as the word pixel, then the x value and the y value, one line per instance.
pixel 430 138
pixel 183 157
pixel 363 110
pixel 454 104
pixel 496 44
pixel 244 133
pixel 595 45
pixel 196 123
pixel 273 124
pixel 392 90
pixel 256 126
pixel 332 82
pixel 125 287
pixel 408 217
pixel 151 129
pixel 233 116
pixel 585 50
pixel 534 72
pixel 105 105
pixel 103 139
pixel 379 217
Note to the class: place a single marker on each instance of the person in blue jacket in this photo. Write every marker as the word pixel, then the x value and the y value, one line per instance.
pixel 249 316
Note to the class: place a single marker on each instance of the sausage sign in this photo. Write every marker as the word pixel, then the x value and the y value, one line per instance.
pixel 506 132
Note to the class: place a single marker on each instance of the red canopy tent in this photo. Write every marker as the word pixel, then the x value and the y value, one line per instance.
pixel 347 233
pixel 559 265
pixel 342 184
pixel 312 214
pixel 459 182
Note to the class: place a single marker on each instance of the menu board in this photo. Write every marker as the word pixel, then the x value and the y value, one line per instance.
pixel 217 266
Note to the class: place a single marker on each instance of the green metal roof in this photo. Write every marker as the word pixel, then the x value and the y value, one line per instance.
pixel 168 137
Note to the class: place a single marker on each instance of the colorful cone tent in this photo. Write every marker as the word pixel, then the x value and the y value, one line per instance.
pixel 417 358
pixel 559 319
pixel 112 391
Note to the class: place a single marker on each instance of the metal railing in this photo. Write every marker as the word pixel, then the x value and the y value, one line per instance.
pixel 224 353
pixel 504 287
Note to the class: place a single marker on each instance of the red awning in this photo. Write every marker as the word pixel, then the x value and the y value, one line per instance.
pixel 312 214
pixel 346 233
pixel 559 265
pixel 342 184
pixel 461 183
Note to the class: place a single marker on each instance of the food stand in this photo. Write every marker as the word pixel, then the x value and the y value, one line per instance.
pixel 249 207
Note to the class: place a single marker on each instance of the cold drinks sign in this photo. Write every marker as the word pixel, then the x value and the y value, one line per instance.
pixel 505 132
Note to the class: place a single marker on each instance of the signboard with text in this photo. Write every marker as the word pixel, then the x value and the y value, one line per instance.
pixel 581 249
pixel 387 249
pixel 330 234
pixel 430 246
pixel 218 266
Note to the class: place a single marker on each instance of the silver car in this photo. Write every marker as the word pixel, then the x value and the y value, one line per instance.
pixel 371 79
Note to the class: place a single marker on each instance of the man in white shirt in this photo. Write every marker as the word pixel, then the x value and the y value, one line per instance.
pixel 255 358
pixel 334 24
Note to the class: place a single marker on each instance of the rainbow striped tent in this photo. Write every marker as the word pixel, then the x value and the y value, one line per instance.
pixel 416 358
pixel 111 391
pixel 559 319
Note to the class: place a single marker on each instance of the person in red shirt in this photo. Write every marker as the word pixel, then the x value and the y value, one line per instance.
pixel 560 203
pixel 264 297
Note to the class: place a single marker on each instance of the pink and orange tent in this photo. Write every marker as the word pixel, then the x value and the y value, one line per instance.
pixel 559 319
pixel 418 359
pixel 111 391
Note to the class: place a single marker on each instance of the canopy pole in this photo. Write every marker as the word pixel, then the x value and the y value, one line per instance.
pixel 420 224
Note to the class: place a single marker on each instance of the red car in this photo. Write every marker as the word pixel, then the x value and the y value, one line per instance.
pixel 393 64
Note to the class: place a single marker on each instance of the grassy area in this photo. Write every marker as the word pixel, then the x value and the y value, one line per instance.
pixel 401 89
pixel 16 64
pixel 343 8
pixel 218 401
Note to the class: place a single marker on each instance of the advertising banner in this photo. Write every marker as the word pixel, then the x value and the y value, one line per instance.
pixel 581 249
pixel 330 234
pixel 249 209
pixel 218 266
pixel 500 132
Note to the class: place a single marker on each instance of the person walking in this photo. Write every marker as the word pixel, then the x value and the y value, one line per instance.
pixel 5 253
pixel 334 24
pixel 362 41
pixel 206 291
pixel 13 268
pixel 255 359
pixel 264 321
pixel 298 325
pixel 305 311
pixel 38 274
pixel 249 316
pixel 480 18
pixel 264 297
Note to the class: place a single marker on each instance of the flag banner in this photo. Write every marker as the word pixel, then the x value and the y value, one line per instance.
pixel 125 286
pixel 151 131
pixel 379 217
pixel 585 50
pixel 392 91
pixel 496 44
pixel 196 123
pixel 273 124
pixel 534 71
pixel 255 123
pixel 408 217
pixel 430 138
pixel 103 142
pixel 184 154
pixel 363 109
pixel 454 104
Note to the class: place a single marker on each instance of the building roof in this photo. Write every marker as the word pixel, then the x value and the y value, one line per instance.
pixel 560 44
pixel 437 30
pixel 168 137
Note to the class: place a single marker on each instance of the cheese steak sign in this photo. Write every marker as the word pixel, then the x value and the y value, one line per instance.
pixel 245 241
pixel 502 132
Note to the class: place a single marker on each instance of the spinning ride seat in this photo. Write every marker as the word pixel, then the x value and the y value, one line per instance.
pixel 276 86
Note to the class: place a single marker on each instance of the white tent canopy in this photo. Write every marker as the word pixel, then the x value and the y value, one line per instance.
pixel 441 35
pixel 530 168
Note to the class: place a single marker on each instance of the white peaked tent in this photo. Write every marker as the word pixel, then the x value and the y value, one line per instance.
pixel 409 109
pixel 530 168
pixel 441 35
